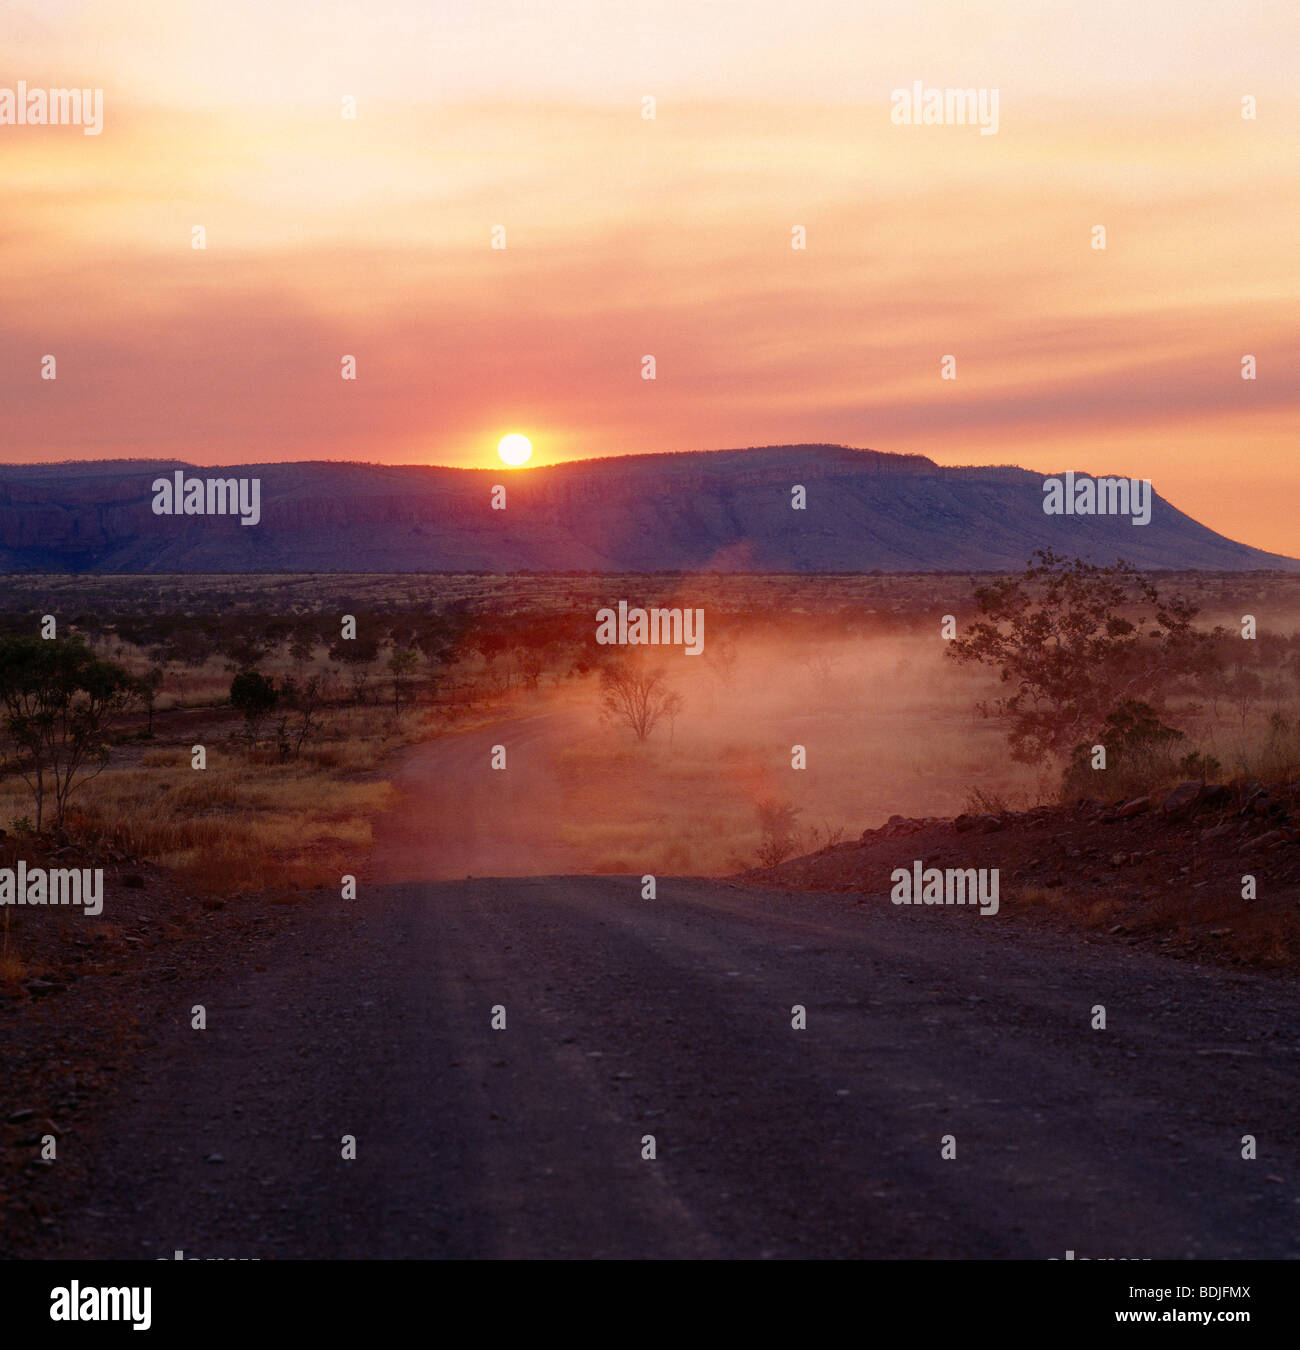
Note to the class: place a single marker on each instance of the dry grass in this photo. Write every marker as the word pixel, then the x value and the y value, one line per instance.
pixel 849 667
pixel 645 809
pixel 245 822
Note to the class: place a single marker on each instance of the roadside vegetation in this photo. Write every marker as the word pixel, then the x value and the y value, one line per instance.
pixel 691 767
pixel 1108 677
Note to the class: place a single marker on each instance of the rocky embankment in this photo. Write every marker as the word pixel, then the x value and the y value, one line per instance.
pixel 1167 868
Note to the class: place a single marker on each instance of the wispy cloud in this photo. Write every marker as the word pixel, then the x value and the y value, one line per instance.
pixel 670 237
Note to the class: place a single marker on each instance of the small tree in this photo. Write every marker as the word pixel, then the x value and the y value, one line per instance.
pixel 241 647
pixel 302 645
pixel 1139 748
pixel 401 666
pixel 720 660
pixel 185 649
pixel 59 699
pixel 148 686
pixel 637 697
pixel 1075 642
pixel 306 699
pixel 778 835
pixel 254 695
pixel 357 654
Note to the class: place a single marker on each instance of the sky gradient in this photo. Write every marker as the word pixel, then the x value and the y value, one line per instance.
pixel 669 237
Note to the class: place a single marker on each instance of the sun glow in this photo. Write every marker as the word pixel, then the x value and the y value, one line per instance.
pixel 515 449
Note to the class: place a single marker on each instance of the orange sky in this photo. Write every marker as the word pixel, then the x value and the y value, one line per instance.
pixel 671 237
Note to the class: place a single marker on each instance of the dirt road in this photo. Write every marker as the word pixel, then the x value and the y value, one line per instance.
pixel 671 1017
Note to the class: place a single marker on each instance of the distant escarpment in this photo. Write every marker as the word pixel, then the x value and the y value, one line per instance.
pixel 725 510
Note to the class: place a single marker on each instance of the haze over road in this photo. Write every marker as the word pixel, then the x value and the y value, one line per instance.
pixel 672 1017
pixel 456 816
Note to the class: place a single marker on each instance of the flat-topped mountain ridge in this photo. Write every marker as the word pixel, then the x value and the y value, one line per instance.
pixel 719 510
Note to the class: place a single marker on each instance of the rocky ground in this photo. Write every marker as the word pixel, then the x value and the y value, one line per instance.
pixel 1165 871
pixel 80 995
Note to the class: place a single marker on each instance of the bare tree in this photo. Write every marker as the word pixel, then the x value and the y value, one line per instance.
pixel 402 665
pixel 638 697
pixel 720 660
pixel 306 699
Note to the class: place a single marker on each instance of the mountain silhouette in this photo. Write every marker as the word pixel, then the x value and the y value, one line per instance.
pixel 720 510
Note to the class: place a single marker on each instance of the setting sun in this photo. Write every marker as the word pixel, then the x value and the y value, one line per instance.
pixel 515 449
